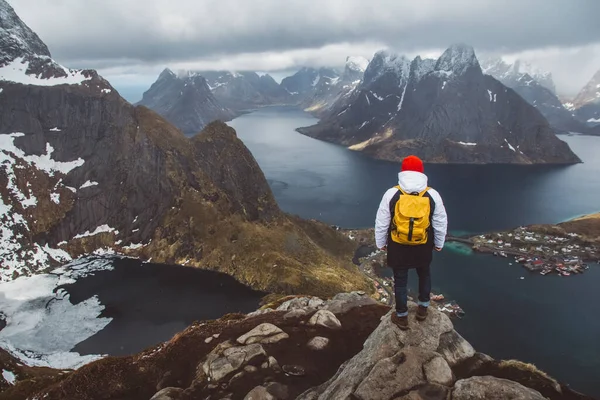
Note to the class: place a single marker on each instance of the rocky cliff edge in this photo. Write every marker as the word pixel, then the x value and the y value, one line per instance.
pixel 304 348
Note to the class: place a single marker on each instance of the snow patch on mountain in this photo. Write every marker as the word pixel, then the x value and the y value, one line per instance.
pixel 457 59
pixel 357 63
pixel 16 71
pixel 101 229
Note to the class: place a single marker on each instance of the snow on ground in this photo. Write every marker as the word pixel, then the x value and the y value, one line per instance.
pixel 88 184
pixel 509 146
pixel 402 98
pixel 377 96
pixel 593 120
pixel 363 124
pixel 55 197
pixel 467 143
pixel 443 85
pixel 133 246
pixel 15 71
pixel 367 97
pixel 569 106
pixel 55 130
pixel 100 229
pixel 42 325
pixel 9 377
pixel 44 162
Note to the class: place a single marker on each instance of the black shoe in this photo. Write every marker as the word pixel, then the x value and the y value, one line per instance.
pixel 422 313
pixel 400 322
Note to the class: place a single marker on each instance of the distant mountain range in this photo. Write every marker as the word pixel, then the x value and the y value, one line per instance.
pixel 537 88
pixel 444 110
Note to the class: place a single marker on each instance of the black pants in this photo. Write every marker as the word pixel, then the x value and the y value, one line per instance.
pixel 401 291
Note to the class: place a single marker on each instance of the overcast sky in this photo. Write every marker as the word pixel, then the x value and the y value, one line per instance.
pixel 131 41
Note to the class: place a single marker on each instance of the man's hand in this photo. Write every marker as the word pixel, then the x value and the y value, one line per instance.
pixel 438 249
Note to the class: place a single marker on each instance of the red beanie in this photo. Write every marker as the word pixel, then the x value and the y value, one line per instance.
pixel 412 163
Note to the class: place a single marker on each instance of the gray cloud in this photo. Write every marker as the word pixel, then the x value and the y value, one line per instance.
pixel 118 33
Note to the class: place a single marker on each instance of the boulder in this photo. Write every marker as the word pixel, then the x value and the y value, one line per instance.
pixel 318 343
pixel 344 302
pixel 232 359
pixel 315 302
pixel 326 319
pixel 399 373
pixel 170 393
pixel 438 371
pixel 273 364
pixel 295 313
pixel 429 391
pixel 263 333
pixel 454 348
pixel 259 393
pixel 259 312
pixel 490 388
pixel 278 390
pixel 298 302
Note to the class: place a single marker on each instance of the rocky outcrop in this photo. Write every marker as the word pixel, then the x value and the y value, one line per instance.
pixel 537 88
pixel 186 101
pixel 368 357
pixel 586 106
pixel 445 111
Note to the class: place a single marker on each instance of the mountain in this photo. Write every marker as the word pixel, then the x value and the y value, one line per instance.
pixel 303 82
pixel 241 91
pixel 586 106
pixel 83 171
pixel 333 86
pixel 444 110
pixel 537 88
pixel 303 348
pixel 186 101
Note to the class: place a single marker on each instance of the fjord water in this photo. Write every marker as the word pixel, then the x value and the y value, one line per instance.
pixel 550 321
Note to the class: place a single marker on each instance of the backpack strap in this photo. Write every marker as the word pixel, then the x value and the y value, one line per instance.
pixel 404 193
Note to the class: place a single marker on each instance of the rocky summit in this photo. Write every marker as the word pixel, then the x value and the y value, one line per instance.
pixel 444 111
pixel 186 101
pixel 586 106
pixel 83 171
pixel 302 348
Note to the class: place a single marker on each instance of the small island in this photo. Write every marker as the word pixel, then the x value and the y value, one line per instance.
pixel 564 249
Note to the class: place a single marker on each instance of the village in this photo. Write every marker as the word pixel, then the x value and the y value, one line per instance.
pixel 542 252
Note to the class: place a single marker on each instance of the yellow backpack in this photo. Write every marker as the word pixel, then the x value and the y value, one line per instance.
pixel 411 218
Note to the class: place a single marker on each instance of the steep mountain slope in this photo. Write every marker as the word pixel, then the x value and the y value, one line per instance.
pixel 302 83
pixel 82 171
pixel 241 91
pixel 332 86
pixel 538 90
pixel 443 111
pixel 586 106
pixel 186 101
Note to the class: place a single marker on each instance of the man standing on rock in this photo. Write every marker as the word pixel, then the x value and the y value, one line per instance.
pixel 411 222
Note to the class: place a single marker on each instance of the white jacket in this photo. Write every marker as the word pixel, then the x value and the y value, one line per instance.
pixel 411 181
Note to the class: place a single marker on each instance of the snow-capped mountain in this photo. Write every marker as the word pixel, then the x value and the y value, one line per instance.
pixel 537 88
pixel 332 85
pixel 586 106
pixel 186 101
pixel 504 71
pixel 444 110
pixel 303 82
pixel 244 90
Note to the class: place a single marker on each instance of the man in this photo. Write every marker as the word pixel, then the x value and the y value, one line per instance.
pixel 411 222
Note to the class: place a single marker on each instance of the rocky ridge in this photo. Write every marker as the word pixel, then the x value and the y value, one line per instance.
pixel 538 90
pixel 443 110
pixel 305 348
pixel 586 106
pixel 83 171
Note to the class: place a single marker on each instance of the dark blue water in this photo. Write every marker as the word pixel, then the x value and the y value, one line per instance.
pixel 149 303
pixel 553 322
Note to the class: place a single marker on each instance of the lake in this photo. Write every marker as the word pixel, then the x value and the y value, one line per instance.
pixel 550 321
